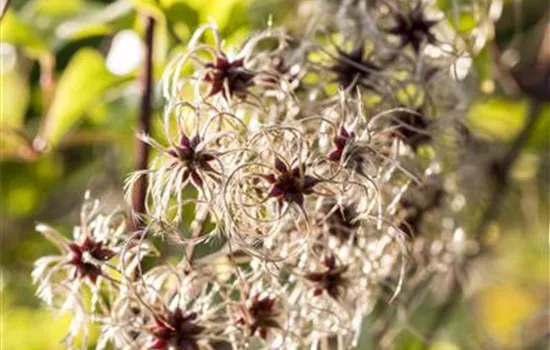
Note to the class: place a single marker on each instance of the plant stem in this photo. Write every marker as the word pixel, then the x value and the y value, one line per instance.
pixel 142 149
pixel 502 175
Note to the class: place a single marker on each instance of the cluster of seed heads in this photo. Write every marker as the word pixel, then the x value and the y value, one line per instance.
pixel 298 182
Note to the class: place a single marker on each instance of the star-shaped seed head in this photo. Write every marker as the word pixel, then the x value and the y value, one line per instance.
pixel 95 250
pixel 353 68
pixel 341 223
pixel 290 184
pixel 228 77
pixel 261 315
pixel 343 138
pixel 332 280
pixel 194 159
pixel 412 127
pixel 414 28
pixel 176 330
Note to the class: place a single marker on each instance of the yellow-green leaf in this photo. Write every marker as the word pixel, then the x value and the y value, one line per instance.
pixel 60 8
pixel 466 22
pixel 497 118
pixel 83 82
pixel 15 31
pixel 151 7
pixel 14 98
pixel 180 12
pixel 102 21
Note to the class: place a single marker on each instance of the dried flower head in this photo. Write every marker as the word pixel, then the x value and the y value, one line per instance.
pixel 194 159
pixel 287 176
pixel 176 330
pixel 353 69
pixel 341 221
pixel 96 241
pixel 290 183
pixel 341 140
pixel 331 281
pixel 98 254
pixel 414 28
pixel 95 251
pixel 260 315
pixel 228 77
pixel 412 127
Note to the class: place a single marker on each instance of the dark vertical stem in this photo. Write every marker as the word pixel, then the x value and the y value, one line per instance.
pixel 502 174
pixel 142 149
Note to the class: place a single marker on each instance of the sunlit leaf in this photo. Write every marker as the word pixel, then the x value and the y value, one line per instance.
pixel 497 118
pixel 237 14
pixel 151 7
pixel 444 345
pixel 178 11
pixel 483 63
pixel 160 46
pixel 503 308
pixel 52 328
pixel 60 8
pixel 82 32
pixel 502 119
pixel 444 5
pixel 16 31
pixel 14 98
pixel 218 11
pixel 102 21
pixel 466 22
pixel 407 340
pixel 84 81
pixel 540 139
pixel 23 193
pixel 14 101
pixel 181 12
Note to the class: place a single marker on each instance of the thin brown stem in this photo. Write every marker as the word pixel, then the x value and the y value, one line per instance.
pixel 501 174
pixel 142 149
pixel 47 80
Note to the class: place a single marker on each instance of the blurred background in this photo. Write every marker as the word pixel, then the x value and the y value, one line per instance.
pixel 70 74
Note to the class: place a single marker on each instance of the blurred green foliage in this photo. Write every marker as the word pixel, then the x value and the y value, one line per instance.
pixel 67 123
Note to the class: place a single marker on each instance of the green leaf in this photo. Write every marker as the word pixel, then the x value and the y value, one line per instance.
pixel 483 63
pixel 160 46
pixel 86 31
pixel 14 101
pixel 466 22
pixel 16 31
pixel 102 21
pixel 502 119
pixel 540 139
pixel 219 11
pixel 14 98
pixel 497 118
pixel 83 82
pixel 238 15
pixel 60 8
pixel 151 7
pixel 444 5
pixel 178 11
pixel 408 340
